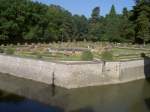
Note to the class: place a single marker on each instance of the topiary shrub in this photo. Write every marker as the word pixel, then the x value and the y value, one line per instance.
pixel 107 55
pixel 39 55
pixel 87 56
pixel 1 50
pixel 9 51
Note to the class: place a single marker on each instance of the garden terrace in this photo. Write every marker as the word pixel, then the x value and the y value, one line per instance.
pixel 71 51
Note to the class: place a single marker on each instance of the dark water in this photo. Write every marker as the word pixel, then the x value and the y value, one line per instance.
pixel 19 95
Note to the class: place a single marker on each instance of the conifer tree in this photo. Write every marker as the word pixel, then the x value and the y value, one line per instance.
pixel 142 21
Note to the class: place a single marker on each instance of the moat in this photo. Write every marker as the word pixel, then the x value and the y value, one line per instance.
pixel 20 95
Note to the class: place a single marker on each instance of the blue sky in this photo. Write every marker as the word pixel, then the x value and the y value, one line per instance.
pixel 85 6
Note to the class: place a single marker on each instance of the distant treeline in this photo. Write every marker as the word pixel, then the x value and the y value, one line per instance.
pixel 27 21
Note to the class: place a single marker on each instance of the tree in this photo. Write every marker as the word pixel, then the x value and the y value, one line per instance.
pixel 143 27
pixel 112 26
pixel 127 27
pixel 125 13
pixel 139 1
pixel 142 21
pixel 80 27
pixel 112 12
pixel 29 21
pixel 94 28
pixel 95 16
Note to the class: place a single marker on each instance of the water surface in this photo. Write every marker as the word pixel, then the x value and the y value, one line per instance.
pixel 20 95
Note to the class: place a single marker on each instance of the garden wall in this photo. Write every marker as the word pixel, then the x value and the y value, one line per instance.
pixel 74 74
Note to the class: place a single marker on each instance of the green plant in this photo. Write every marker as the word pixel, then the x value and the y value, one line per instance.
pixel 107 55
pixel 9 51
pixel 39 56
pixel 87 56
pixel 1 50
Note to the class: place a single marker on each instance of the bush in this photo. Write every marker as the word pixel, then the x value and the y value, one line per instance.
pixel 39 56
pixel 9 51
pixel 87 56
pixel 1 50
pixel 107 55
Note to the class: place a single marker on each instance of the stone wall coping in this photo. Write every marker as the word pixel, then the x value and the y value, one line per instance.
pixel 56 61
pixel 71 62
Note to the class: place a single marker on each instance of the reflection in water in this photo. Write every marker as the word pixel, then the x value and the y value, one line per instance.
pixel 147 102
pixel 86 109
pixel 8 97
pixel 53 84
pixel 146 65
pixel 36 97
pixel 130 97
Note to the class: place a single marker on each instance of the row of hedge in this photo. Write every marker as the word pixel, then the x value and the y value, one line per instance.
pixel 8 51
pixel 86 55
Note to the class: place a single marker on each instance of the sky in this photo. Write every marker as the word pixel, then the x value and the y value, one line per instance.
pixel 84 7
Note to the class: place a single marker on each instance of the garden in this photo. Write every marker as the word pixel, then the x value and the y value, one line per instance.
pixel 79 51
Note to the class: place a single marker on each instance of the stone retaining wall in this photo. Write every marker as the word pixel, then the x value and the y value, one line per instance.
pixel 74 75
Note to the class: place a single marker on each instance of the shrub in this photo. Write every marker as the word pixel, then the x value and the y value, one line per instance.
pixel 9 51
pixel 87 56
pixel 39 56
pixel 107 55
pixel 1 50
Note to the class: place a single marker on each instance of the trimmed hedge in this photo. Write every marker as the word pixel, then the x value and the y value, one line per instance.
pixel 87 56
pixel 107 55
pixel 10 51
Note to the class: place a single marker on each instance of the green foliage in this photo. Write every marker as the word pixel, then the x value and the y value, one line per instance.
pixel 143 26
pixel 10 51
pixel 39 55
pixel 141 17
pixel 107 55
pixel 112 27
pixel 95 16
pixel 87 56
pixel 112 12
pixel 1 50
pixel 28 21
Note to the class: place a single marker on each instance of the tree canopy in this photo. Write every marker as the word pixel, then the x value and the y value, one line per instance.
pixel 27 21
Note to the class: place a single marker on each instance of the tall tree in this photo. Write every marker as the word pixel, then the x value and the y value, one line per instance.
pixel 139 1
pixel 94 25
pixel 141 18
pixel 112 12
pixel 127 32
pixel 28 21
pixel 112 26
pixel 143 27
pixel 95 16
pixel 80 27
